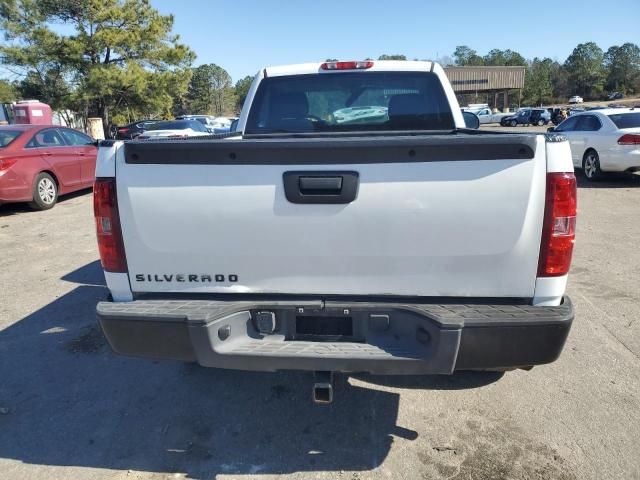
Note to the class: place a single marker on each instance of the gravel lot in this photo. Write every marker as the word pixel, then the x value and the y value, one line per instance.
pixel 69 408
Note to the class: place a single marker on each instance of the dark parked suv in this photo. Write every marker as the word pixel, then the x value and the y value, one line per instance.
pixel 132 130
pixel 527 116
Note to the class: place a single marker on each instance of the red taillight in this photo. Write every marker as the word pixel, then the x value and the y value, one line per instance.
pixel 559 228
pixel 346 65
pixel 629 139
pixel 105 210
pixel 7 163
pixel 123 130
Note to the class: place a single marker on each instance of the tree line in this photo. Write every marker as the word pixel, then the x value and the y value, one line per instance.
pixel 588 71
pixel 119 60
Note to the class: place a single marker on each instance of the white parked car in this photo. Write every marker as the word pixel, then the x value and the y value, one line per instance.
pixel 175 129
pixel 487 116
pixel 576 99
pixel 207 120
pixel 222 124
pixel 606 140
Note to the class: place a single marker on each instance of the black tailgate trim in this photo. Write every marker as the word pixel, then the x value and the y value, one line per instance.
pixel 451 316
pixel 332 151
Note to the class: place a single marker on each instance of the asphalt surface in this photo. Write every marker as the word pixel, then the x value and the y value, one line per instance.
pixel 69 408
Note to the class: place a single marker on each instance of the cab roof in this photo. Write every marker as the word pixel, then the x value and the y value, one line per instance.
pixel 378 65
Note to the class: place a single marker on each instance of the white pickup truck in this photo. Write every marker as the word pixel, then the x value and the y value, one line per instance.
pixel 485 115
pixel 403 243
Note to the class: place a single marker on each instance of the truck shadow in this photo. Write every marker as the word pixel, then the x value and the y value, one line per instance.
pixel 68 401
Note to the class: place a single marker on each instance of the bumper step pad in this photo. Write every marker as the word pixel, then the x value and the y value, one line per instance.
pixel 418 338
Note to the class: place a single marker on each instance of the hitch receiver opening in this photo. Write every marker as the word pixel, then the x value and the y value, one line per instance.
pixel 322 391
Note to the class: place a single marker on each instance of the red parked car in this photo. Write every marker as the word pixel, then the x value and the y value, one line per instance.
pixel 40 162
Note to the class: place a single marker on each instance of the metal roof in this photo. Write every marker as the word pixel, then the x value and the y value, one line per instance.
pixel 475 79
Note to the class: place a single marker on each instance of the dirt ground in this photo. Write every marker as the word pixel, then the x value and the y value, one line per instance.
pixel 70 409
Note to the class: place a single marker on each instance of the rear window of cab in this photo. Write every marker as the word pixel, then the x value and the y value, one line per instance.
pixel 350 101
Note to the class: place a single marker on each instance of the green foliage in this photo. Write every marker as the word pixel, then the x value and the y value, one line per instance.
pixel 8 92
pixel 623 66
pixel 560 82
pixel 585 70
pixel 494 57
pixel 120 58
pixel 497 57
pixel 392 57
pixel 242 89
pixel 210 91
pixel 538 88
pixel 467 57
pixel 49 87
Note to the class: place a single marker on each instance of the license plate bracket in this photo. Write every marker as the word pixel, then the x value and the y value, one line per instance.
pixel 327 328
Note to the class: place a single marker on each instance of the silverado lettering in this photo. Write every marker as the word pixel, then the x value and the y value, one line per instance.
pixel 180 277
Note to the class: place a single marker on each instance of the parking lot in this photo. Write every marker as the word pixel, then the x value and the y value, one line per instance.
pixel 69 408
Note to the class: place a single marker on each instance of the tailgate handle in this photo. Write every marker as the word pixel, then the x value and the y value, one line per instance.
pixel 320 187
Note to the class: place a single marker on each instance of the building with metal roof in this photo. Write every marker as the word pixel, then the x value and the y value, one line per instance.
pixel 485 82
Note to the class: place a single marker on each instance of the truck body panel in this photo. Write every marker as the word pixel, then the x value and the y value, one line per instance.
pixel 350 224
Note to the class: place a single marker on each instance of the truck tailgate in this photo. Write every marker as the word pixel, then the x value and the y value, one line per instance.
pixel 445 215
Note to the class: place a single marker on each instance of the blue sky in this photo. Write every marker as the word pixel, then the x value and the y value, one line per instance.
pixel 243 36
